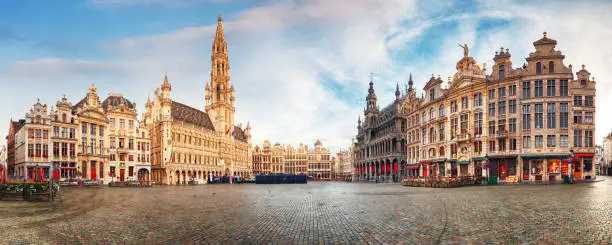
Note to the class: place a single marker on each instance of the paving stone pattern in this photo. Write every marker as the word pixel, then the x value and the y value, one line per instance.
pixel 316 213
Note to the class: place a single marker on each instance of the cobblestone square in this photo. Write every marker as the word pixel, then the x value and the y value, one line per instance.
pixel 316 213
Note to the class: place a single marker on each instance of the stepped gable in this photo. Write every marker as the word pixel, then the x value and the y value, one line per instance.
pixel 187 114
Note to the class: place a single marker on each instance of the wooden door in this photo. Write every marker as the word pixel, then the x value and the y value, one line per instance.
pixel 121 174
pixel 503 171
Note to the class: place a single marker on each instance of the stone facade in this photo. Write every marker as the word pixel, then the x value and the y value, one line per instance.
pixel 380 151
pixel 190 144
pixel 606 166
pixel 344 159
pixel 128 141
pixel 316 162
pixel 33 143
pixel 64 140
pixel 92 144
pixel 510 122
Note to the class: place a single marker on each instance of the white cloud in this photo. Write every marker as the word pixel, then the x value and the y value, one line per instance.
pixel 282 53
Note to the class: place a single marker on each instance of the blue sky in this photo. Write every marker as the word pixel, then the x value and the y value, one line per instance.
pixel 300 68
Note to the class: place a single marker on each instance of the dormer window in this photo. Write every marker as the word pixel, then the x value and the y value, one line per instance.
pixel 583 83
pixel 538 68
pixel 431 94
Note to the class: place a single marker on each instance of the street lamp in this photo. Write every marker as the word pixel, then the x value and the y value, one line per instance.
pixel 485 165
pixel 570 161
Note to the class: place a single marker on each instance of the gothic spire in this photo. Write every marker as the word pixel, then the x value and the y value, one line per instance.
pixel 219 36
pixel 166 84
pixel 410 83
pixel 397 91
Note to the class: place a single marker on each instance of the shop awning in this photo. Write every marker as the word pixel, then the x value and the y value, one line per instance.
pixel 451 160
pixel 584 155
pixel 474 159
pixel 463 163
pixel 439 160
pixel 412 167
pixel 529 157
pixel 425 162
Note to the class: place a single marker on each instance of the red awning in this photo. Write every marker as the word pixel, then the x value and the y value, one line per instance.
pixel 412 167
pixel 425 162
pixel 584 155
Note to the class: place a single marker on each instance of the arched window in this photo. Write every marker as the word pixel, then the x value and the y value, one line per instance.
pixel 441 151
pixel 441 110
pixel 64 117
pixel 218 92
pixel 502 71
pixel 538 68
pixel 431 113
pixel 551 67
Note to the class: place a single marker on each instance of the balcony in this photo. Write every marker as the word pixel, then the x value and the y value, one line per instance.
pixel 464 137
pixel 501 134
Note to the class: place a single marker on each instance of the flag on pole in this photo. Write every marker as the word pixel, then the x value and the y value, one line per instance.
pixel 232 132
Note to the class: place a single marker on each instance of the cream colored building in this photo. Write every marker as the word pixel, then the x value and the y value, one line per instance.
pixel 344 165
pixel 128 160
pixel 191 144
pixel 64 140
pixel 527 122
pixel 92 138
pixel 316 162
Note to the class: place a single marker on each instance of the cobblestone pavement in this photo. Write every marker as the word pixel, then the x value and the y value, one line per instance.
pixel 316 213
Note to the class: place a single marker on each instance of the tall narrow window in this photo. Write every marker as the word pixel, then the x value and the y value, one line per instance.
pixel 441 110
pixel 491 109
pixel 539 120
pixel 551 67
pixel 539 87
pixel 502 72
pixel 564 115
pixel 491 127
pixel 526 122
pixel 478 123
pixel 512 124
pixel 539 141
pixel 464 123
pixel 441 131
pixel 432 94
pixel 550 88
pixel 577 138
pixel 502 107
pixel 512 106
pixel 588 138
pixel 538 68
pixel 526 89
pixel 563 88
pixel 551 122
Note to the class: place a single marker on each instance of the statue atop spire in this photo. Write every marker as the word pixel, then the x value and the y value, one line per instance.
pixel 466 50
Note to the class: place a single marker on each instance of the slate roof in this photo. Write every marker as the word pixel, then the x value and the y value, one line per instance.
pixel 115 100
pixel 239 134
pixel 545 40
pixel 187 114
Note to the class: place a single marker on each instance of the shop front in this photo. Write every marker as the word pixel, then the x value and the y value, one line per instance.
pixel 464 167
pixel 452 171
pixel 478 162
pixel 502 168
pixel 426 170
pixel 583 166
pixel 412 170
pixel 545 168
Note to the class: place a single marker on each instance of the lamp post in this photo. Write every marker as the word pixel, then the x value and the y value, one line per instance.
pixel 571 160
pixel 485 165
